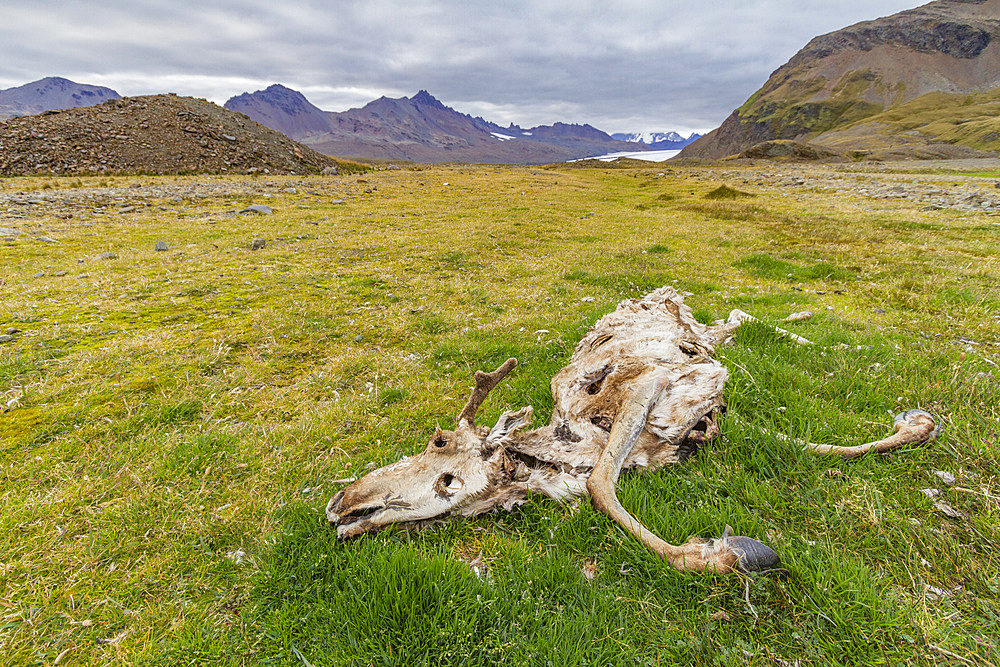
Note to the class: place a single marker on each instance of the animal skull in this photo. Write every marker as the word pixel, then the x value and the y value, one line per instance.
pixel 641 390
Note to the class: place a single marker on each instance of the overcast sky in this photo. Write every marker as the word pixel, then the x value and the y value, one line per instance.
pixel 618 65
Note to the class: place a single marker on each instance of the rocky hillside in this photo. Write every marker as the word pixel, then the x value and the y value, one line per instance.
pixel 420 128
pixel 159 134
pixel 51 93
pixel 846 78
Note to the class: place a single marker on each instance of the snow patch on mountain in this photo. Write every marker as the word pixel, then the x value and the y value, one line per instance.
pixel 657 139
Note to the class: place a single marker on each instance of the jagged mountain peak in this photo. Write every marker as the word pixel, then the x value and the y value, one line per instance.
pixel 424 98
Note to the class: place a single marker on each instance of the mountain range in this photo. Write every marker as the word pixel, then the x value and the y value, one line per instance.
pixel 421 129
pixel 657 140
pixel 920 83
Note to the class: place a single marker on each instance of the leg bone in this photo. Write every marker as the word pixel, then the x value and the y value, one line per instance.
pixel 722 555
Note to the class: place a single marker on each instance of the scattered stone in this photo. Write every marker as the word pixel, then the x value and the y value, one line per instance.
pixel 229 137
pixel 13 330
pixel 38 274
pixel 931 207
pixel 935 593
pixel 358 338
pixel 291 191
pixel 6 338
pixel 258 244
pixel 344 480
pixel 947 510
pixel 60 274
pixel 105 255
pixel 799 317
pixel 330 171
pixel 127 209
pixel 337 201
pixel 256 209
pixel 7 231
pixel 587 299
pixel 945 477
pixel 930 493
pixel 46 239
pixel 161 246
pixel 879 311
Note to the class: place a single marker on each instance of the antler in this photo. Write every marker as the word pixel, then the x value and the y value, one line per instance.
pixel 485 382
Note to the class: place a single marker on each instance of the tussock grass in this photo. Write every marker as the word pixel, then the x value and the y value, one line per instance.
pixel 177 421
pixel 726 192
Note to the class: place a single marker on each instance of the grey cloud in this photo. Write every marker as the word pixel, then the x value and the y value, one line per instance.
pixel 632 64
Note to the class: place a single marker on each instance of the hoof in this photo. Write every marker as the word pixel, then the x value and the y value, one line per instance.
pixel 910 417
pixel 753 556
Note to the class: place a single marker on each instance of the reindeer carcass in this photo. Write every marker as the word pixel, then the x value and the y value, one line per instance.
pixel 641 390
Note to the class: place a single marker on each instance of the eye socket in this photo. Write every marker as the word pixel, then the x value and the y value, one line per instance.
pixel 448 485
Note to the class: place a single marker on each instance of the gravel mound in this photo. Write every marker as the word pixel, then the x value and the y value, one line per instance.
pixel 155 134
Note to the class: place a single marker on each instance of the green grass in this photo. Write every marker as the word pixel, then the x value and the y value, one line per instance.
pixel 177 421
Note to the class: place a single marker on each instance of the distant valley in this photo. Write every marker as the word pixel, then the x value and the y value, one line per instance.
pixel 660 141
pixel 418 128
pixel 922 83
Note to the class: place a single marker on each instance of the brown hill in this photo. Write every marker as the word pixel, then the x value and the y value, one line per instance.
pixel 853 74
pixel 160 134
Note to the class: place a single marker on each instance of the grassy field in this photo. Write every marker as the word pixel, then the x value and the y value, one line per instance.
pixel 173 423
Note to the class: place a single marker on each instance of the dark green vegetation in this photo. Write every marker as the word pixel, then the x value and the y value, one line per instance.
pixel 177 421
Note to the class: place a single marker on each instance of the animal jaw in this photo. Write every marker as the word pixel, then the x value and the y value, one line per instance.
pixel 641 390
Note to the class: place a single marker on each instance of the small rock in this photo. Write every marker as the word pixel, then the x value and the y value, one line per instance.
pixel 13 330
pixel 258 244
pixel 46 239
pixel 930 207
pixel 229 137
pixel 799 317
pixel 256 209
pixel 7 231
pixel 358 338
pixel 330 171
pixel 127 209
pixel 930 493
pixel 106 255
pixel 945 477
pixel 587 299
pixel 38 275
pixel 6 338
pixel 879 311
pixel 161 246
pixel 291 191
pixel 947 510
pixel 60 274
